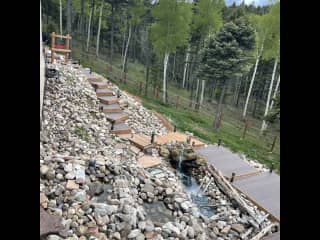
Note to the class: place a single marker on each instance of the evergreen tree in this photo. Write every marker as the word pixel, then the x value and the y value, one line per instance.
pixel 225 56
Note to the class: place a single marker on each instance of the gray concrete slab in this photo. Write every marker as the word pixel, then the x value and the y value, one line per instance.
pixel 263 188
pixel 225 160
pixel 274 236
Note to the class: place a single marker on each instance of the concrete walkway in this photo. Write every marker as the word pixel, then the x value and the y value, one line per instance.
pixel 262 188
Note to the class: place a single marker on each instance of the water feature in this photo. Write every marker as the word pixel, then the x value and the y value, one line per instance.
pixel 158 213
pixel 180 157
pixel 192 188
pixel 196 194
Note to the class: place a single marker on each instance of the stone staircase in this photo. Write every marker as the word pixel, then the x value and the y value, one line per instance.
pixel 109 102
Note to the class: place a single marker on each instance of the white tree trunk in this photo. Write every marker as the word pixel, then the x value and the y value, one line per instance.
pixel 60 18
pixel 264 124
pixel 89 27
pixel 123 44
pixel 126 50
pixel 202 91
pixel 251 83
pixel 99 28
pixel 165 65
pixel 42 68
pixel 275 93
pixel 186 66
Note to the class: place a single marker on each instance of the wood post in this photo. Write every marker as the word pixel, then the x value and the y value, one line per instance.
pixel 273 144
pixel 232 177
pixel 177 101
pixel 125 77
pixel 245 129
pixel 220 119
pixel 67 47
pixel 53 39
pixel 140 88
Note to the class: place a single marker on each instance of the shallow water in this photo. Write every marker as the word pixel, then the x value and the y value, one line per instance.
pixel 194 192
pixel 157 212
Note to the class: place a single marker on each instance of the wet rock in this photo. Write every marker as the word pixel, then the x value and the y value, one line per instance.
pixel 239 228
pixel 226 229
pixel 169 191
pixel 134 233
pixel 50 175
pixel 53 237
pixel 116 236
pixel 164 152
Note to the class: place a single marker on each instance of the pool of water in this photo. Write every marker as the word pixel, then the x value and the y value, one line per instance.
pixel 194 192
pixel 158 213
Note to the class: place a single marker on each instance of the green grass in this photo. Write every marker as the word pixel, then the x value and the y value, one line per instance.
pixel 82 133
pixel 254 146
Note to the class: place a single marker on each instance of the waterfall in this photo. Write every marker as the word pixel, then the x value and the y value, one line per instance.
pixel 180 157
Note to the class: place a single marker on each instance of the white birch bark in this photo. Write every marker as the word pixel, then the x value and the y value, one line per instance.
pixel 264 124
pixel 202 91
pixel 197 89
pixel 89 27
pixel 126 50
pixel 165 65
pixel 275 93
pixel 99 28
pixel 252 80
pixel 186 66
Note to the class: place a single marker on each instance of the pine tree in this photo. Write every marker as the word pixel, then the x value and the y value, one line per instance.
pixel 225 56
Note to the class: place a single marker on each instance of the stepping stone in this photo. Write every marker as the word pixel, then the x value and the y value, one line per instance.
pixel 121 128
pixel 108 99
pixel 117 117
pixel 101 84
pixel 179 137
pixel 110 108
pixel 149 161
pixel 104 92
pixel 141 140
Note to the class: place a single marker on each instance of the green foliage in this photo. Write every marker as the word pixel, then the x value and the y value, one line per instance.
pixel 225 54
pixel 272 42
pixel 274 113
pixel 171 27
pixel 136 11
pixel 82 133
pixel 207 18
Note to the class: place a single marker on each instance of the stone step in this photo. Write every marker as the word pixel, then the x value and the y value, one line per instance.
pixel 108 99
pixel 104 92
pixel 117 117
pixel 111 108
pixel 94 79
pixel 100 85
pixel 121 128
